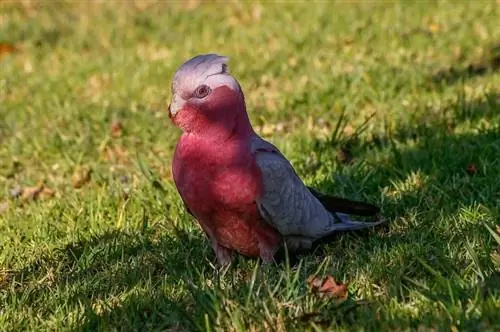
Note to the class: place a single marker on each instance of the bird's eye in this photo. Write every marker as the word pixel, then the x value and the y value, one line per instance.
pixel 202 91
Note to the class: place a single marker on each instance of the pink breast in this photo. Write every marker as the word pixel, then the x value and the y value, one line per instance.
pixel 221 194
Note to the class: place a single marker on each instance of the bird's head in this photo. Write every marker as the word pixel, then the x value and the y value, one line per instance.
pixel 207 100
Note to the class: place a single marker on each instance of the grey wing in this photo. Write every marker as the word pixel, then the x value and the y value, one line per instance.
pixel 286 203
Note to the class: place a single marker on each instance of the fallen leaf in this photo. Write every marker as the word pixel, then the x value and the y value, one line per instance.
pixel 30 193
pixel 81 177
pixel 116 128
pixel 46 193
pixel 6 48
pixel 471 169
pixel 328 287
pixel 40 191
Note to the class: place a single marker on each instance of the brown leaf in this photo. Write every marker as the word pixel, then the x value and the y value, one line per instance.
pixel 6 48
pixel 46 193
pixel 80 177
pixel 328 287
pixel 471 169
pixel 40 191
pixel 116 128
pixel 29 193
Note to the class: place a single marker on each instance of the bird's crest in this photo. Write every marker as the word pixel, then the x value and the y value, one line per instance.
pixel 200 68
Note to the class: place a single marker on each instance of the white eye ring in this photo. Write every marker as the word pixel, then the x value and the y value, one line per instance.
pixel 202 91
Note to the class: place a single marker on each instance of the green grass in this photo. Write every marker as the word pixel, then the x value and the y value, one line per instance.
pixel 419 88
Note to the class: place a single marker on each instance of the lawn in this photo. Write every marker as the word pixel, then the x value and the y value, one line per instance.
pixel 396 104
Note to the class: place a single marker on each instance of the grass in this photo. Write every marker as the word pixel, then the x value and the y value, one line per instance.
pixel 411 91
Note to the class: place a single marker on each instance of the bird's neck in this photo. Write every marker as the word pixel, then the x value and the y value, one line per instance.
pixel 235 125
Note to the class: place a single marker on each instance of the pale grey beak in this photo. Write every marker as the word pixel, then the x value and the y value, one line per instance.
pixel 175 106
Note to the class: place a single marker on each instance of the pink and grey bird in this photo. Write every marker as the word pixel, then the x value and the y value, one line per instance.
pixel 242 190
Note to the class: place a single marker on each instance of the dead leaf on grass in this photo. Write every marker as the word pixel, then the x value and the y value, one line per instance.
pixel 81 176
pixel 40 191
pixel 31 192
pixel 328 287
pixel 471 169
pixel 116 128
pixel 6 48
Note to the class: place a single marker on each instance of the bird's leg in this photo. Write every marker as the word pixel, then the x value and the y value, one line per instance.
pixel 269 243
pixel 267 253
pixel 298 243
pixel 224 255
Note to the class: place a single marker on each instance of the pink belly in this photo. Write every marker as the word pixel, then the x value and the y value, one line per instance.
pixel 225 206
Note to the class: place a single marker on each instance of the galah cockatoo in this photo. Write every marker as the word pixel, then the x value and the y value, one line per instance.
pixel 242 190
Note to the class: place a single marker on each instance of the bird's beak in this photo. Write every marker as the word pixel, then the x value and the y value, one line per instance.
pixel 174 107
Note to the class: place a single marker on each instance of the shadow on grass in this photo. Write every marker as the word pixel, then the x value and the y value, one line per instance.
pixel 453 74
pixel 114 276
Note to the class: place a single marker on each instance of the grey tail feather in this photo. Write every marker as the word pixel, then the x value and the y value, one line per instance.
pixel 347 224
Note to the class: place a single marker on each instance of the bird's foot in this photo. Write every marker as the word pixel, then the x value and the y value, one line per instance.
pixel 267 255
pixel 267 251
pixel 224 255
pixel 269 243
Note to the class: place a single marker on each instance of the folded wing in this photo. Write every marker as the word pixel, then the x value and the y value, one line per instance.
pixel 295 209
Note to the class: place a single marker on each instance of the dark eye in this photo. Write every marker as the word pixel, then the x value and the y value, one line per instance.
pixel 202 91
